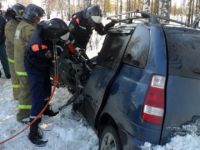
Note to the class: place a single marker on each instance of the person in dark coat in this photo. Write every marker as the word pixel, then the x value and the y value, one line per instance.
pixel 84 22
pixel 38 61
pixel 3 55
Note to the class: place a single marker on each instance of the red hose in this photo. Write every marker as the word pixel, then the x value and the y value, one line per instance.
pixel 55 79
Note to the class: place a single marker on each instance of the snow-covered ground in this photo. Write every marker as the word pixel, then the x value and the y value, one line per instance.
pixel 64 131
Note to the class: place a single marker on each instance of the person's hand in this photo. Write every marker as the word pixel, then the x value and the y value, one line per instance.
pixel 80 51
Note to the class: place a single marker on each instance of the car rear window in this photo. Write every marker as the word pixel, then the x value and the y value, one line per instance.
pixel 183 51
pixel 138 47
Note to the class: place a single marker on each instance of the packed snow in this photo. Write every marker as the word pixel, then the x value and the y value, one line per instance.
pixel 66 130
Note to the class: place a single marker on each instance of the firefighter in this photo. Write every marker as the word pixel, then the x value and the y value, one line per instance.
pixel 3 55
pixel 84 22
pixel 38 61
pixel 13 15
pixel 30 18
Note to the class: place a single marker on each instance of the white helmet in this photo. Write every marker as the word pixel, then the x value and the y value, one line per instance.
pixel 94 13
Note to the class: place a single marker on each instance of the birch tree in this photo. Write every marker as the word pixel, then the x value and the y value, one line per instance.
pixel 164 8
pixel 197 19
pixel 146 5
pixel 120 8
pixel 156 7
pixel 87 3
pixel 116 6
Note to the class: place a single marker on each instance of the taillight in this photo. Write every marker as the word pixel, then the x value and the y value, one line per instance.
pixel 153 110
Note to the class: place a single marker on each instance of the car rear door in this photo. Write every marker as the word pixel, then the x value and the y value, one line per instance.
pixel 183 83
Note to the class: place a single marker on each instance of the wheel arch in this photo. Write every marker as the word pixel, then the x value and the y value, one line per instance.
pixel 105 120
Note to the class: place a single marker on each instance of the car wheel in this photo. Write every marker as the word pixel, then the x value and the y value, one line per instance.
pixel 109 139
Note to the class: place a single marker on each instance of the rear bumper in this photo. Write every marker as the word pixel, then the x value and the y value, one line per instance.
pixel 136 141
pixel 130 142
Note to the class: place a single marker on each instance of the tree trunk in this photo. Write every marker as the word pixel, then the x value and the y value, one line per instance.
pixel 128 7
pixel 69 9
pixel 48 12
pixel 79 5
pixel 197 18
pixel 189 8
pixel 116 6
pixel 146 5
pixel 87 3
pixel 192 12
pixel 156 7
pixel 120 8
pixel 134 4
pixel 164 8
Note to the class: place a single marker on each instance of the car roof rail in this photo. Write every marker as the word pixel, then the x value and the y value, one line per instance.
pixel 145 15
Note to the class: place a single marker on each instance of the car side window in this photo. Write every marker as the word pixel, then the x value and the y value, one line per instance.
pixel 113 44
pixel 138 48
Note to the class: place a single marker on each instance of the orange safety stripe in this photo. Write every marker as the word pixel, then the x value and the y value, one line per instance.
pixel 35 47
pixel 77 20
pixel 44 46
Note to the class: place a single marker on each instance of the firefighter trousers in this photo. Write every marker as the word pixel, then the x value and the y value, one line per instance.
pixel 24 106
pixel 15 81
pixel 40 89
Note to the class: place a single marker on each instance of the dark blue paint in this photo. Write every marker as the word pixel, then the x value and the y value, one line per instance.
pixel 121 96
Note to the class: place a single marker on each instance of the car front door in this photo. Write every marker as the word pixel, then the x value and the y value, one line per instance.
pixel 108 63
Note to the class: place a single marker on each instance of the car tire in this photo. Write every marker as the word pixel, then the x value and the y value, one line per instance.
pixel 109 139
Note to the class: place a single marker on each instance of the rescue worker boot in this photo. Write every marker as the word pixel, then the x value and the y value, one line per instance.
pixel 36 135
pixel 49 112
pixel 23 116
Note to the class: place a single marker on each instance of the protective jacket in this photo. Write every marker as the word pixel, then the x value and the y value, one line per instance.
pixel 38 55
pixel 10 29
pixel 22 35
pixel 81 28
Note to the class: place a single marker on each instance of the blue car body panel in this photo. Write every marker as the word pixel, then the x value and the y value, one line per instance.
pixel 126 96
pixel 120 91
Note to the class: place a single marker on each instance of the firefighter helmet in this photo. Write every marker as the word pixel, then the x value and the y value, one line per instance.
pixel 15 12
pixel 94 14
pixel 54 28
pixel 10 14
pixel 19 10
pixel 32 12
